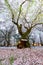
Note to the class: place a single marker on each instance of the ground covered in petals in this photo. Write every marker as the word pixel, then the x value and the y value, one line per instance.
pixel 21 56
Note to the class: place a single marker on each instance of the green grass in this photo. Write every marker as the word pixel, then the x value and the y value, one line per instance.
pixel 0 63
pixel 12 59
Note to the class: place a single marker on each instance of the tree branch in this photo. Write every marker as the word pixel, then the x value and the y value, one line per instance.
pixel 2 32
pixel 29 30
pixel 26 20
pixel 20 29
pixel 14 22
pixel 20 10
pixel 35 18
pixel 36 24
pixel 9 7
pixel 26 27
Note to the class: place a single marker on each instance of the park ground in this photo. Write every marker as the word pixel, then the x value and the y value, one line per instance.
pixel 25 56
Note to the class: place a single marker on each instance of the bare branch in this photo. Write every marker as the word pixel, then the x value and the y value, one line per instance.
pixel 14 22
pixel 26 20
pixel 20 10
pixel 36 24
pixel 32 26
pixel 29 30
pixel 35 18
pixel 9 7
pixel 2 32
pixel 25 27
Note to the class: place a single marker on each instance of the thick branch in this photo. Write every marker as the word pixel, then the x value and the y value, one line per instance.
pixel 9 7
pixel 20 29
pixel 20 10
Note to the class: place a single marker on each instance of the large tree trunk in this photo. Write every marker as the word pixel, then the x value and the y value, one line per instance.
pixel 24 43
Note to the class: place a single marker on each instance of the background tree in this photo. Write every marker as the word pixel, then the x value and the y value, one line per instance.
pixel 7 35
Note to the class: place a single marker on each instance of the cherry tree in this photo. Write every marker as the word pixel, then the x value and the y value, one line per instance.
pixel 27 25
